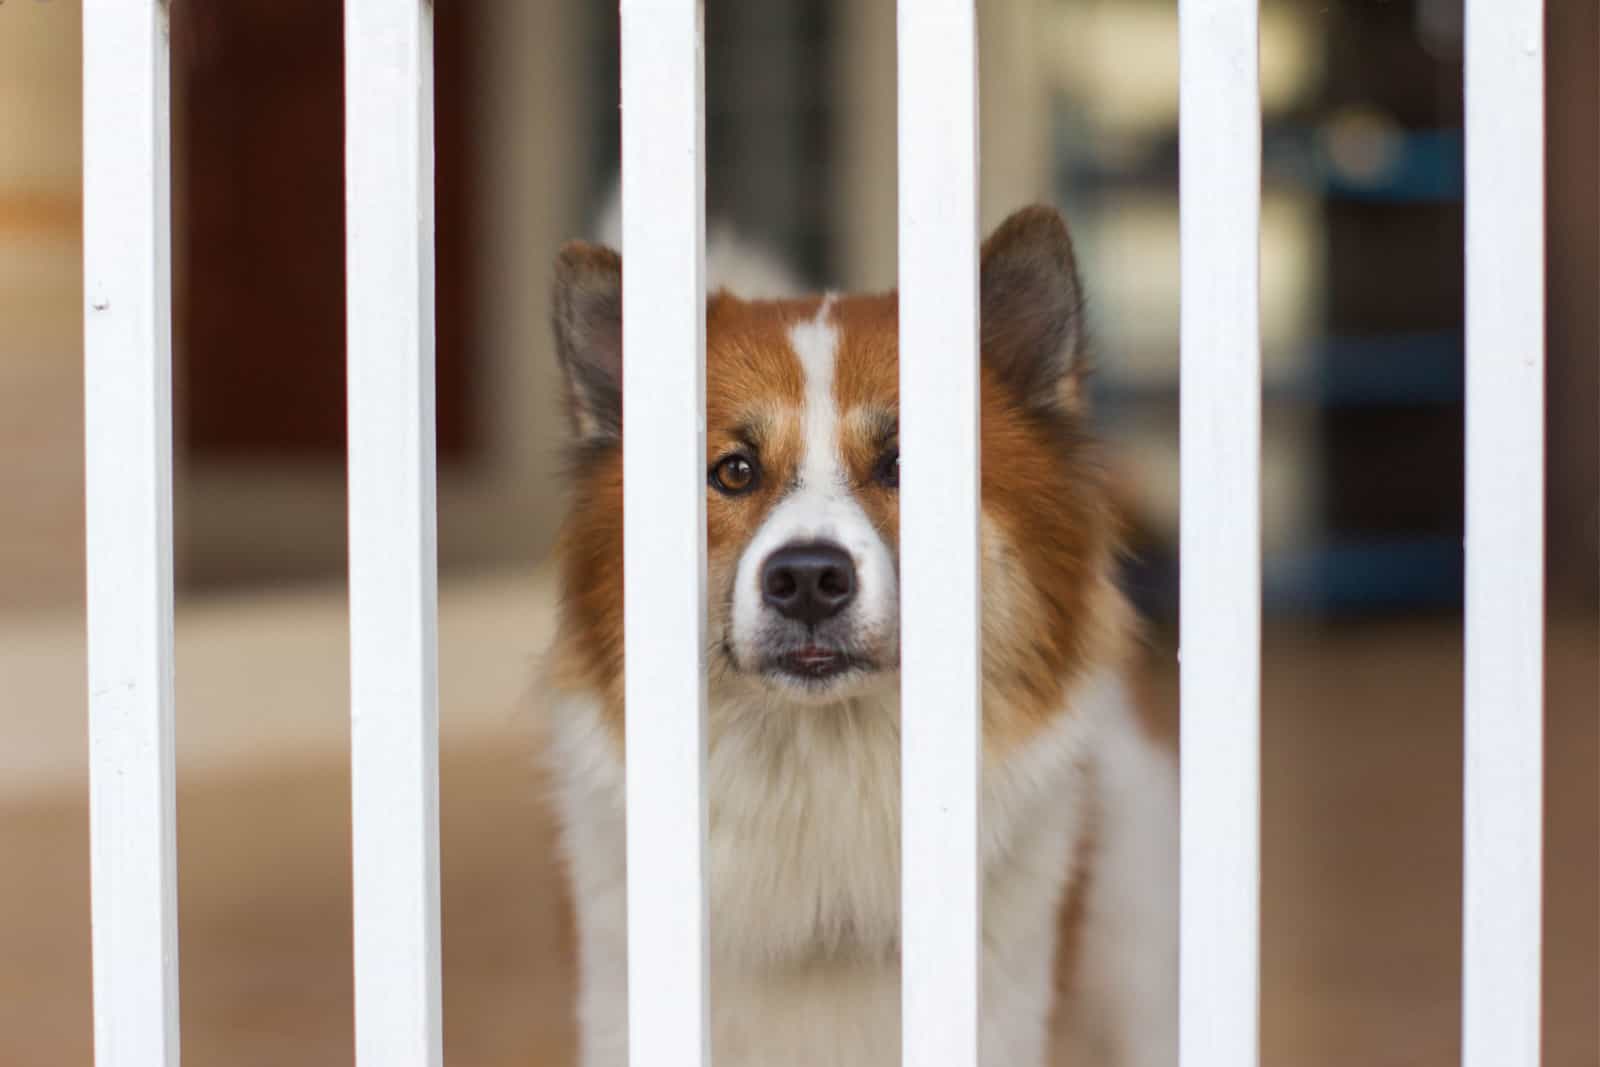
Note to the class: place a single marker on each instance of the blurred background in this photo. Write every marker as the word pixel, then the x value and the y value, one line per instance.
pixel 1362 498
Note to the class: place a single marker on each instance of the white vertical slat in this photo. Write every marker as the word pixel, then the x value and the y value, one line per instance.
pixel 393 575
pixel 1220 595
pixel 941 886
pixel 663 221
pixel 128 496
pixel 1505 532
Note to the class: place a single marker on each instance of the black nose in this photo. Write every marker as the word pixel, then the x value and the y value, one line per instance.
pixel 808 583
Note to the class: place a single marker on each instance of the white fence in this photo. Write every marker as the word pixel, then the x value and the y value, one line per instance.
pixel 389 157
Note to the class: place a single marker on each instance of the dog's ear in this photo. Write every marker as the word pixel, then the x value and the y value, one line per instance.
pixel 586 314
pixel 1032 310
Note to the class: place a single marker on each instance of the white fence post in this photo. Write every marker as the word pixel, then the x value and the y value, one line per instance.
pixel 128 495
pixel 1505 533
pixel 941 659
pixel 394 733
pixel 663 219
pixel 1220 594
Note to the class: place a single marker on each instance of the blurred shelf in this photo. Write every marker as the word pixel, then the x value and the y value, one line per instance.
pixel 1346 578
pixel 1362 180
pixel 1351 159
pixel 1414 370
pixel 1376 576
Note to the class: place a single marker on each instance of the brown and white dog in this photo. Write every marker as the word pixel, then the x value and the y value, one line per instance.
pixel 1079 845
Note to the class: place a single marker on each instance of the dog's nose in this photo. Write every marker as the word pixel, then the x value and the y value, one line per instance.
pixel 808 583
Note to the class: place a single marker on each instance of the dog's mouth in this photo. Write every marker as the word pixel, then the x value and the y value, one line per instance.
pixel 814 661
pixel 808 664
pixel 815 665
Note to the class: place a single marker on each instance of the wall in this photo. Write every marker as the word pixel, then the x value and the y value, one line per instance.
pixel 41 282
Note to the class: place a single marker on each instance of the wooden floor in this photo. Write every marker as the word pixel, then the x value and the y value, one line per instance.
pixel 1361 885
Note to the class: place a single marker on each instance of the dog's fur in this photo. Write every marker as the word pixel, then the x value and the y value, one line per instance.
pixel 1079 844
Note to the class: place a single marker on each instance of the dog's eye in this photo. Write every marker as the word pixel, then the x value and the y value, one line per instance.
pixel 887 472
pixel 734 475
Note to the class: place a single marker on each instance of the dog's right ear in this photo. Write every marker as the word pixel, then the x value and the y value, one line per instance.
pixel 586 313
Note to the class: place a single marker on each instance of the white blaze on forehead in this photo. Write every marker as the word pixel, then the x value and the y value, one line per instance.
pixel 816 345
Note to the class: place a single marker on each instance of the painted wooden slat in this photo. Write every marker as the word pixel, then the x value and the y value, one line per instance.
pixel 663 222
pixel 128 497
pixel 941 886
pixel 1220 594
pixel 389 213
pixel 1505 532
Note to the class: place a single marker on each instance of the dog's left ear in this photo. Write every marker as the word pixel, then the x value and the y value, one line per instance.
pixel 586 315
pixel 1032 310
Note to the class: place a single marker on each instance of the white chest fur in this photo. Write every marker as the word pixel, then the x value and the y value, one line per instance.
pixel 804 878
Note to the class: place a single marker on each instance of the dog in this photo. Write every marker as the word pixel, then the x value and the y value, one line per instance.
pixel 1079 805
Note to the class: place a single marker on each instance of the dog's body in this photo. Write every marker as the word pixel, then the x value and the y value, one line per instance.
pixel 1079 844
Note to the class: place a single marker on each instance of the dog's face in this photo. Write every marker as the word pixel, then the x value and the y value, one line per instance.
pixel 802 476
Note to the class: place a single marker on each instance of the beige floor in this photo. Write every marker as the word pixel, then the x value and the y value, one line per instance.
pixel 1362 867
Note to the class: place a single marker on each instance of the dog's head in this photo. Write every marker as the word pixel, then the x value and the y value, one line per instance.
pixel 802 479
